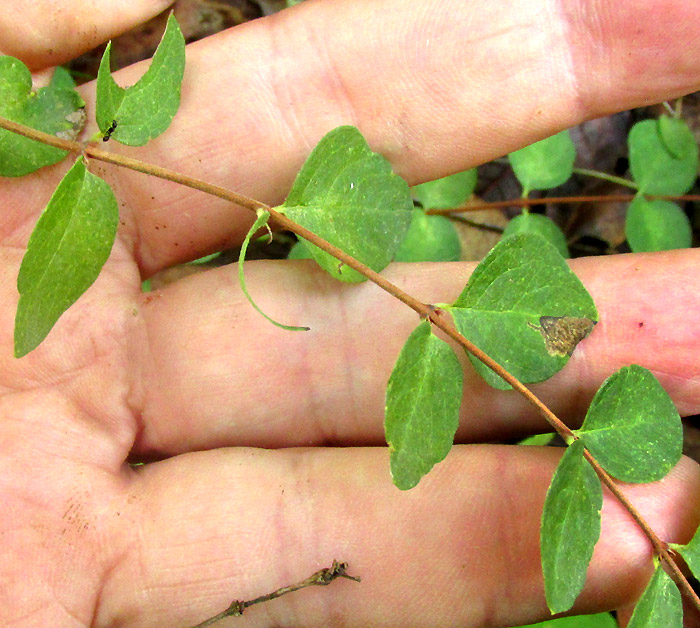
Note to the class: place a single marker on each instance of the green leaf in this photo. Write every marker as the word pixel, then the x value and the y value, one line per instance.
pixel 349 196
pixel 690 553
pixel 430 238
pixel 660 604
pixel 299 251
pixel 62 79
pixel 423 397
pixel 451 191
pixel 663 156
pixel 55 109
pixel 146 109
pixel 677 137
pixel 538 440
pixel 544 164
pixel 538 224
pixel 525 309
pixel 632 427
pixel 70 244
pixel 601 620
pixel 570 528
pixel 657 225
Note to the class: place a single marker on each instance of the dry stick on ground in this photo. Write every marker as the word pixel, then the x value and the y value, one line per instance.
pixel 426 311
pixel 322 577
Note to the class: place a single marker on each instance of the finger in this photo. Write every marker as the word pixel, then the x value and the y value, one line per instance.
pixel 44 34
pixel 461 549
pixel 435 86
pixel 213 372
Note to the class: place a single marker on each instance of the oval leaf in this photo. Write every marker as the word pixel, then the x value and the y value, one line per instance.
pixel 632 427
pixel 570 528
pixel 663 162
pixel 660 604
pixel 677 137
pixel 349 196
pixel 70 244
pixel 423 397
pixel 56 109
pixel 430 238
pixel 451 191
pixel 525 308
pixel 146 109
pixel 544 164
pixel 657 225
pixel 538 224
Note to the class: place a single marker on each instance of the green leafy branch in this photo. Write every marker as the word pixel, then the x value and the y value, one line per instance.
pixel 435 315
pixel 352 211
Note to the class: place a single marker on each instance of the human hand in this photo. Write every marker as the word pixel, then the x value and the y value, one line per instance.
pixel 269 442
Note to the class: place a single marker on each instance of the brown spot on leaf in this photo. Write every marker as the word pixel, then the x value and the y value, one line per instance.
pixel 562 333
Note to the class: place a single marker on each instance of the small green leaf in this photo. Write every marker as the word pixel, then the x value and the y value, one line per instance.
pixel 62 79
pixel 299 251
pixel 632 427
pixel 690 553
pixel 544 164
pixel 538 440
pixel 55 109
pixel 146 109
pixel 451 191
pixel 525 308
pixel 570 528
pixel 430 238
pixel 677 137
pixel 663 159
pixel 540 225
pixel 349 196
pixel 660 604
pixel 423 397
pixel 657 225
pixel 601 620
pixel 70 244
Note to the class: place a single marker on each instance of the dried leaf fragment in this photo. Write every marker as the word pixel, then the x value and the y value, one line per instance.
pixel 562 333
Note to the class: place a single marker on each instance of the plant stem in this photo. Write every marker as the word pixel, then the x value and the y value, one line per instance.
pixel 426 311
pixel 322 577
pixel 473 206
pixel 605 177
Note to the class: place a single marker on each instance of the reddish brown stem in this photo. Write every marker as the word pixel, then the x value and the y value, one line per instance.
pixel 474 205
